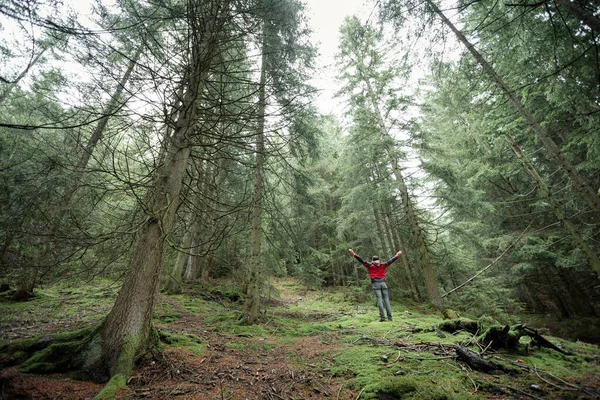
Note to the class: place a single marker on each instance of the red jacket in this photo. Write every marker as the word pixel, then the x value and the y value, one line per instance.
pixel 376 268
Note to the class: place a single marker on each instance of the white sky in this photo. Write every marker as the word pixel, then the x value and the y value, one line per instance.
pixel 326 17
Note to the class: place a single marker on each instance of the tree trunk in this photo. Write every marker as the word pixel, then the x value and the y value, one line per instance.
pixel 207 266
pixel 252 303
pixel 580 13
pixel 173 283
pixel 557 208
pixel 578 181
pixel 126 330
pixel 381 232
pixel 416 294
pixel 388 227
pixel 426 265
pixel 193 268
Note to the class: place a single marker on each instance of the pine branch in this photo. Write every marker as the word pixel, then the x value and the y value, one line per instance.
pixel 492 263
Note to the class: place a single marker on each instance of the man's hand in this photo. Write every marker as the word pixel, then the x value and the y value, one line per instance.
pixel 352 252
pixel 398 254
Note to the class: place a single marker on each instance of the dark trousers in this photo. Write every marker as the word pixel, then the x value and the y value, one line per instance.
pixel 381 294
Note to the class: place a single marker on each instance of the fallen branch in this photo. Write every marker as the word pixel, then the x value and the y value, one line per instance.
pixel 493 262
pixel 474 361
pixel 524 393
pixel 571 387
pixel 550 383
pixel 358 397
pixel 508 337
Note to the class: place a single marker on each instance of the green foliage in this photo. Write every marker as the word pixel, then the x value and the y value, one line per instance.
pixel 487 196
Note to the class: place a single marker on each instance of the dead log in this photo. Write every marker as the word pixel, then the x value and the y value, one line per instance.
pixel 537 339
pixel 477 363
pixel 500 337
pixel 506 337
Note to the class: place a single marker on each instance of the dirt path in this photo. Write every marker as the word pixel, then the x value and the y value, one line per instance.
pixel 230 367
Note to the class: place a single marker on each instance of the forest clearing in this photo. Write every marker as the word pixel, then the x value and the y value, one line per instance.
pixel 183 184
pixel 308 344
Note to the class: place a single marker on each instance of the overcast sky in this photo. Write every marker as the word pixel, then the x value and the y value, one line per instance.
pixel 326 17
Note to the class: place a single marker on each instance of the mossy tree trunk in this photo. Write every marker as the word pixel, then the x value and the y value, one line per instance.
pixel 127 330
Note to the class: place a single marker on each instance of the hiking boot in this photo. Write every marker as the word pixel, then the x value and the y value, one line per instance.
pixel 390 319
pixel 381 319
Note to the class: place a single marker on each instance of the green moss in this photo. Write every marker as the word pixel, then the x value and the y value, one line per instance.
pixel 458 324
pixel 394 369
pixel 225 316
pixel 165 313
pixel 58 357
pixel 362 363
pixel 110 389
pixel 179 339
pixel 126 358
pixel 412 387
pixel 51 353
pixel 79 302
pixel 168 319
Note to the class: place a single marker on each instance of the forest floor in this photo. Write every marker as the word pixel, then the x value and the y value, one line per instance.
pixel 308 345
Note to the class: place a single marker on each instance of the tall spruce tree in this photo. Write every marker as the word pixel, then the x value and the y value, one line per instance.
pixel 370 83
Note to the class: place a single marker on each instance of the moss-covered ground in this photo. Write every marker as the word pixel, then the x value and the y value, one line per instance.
pixel 308 344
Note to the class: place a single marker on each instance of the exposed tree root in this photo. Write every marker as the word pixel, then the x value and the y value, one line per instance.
pixel 70 353
pixel 52 353
pixel 111 387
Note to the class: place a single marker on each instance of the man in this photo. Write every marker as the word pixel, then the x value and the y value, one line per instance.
pixel 377 273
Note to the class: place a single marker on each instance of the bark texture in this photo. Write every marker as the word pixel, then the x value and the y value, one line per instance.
pixel 252 303
pixel 127 330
